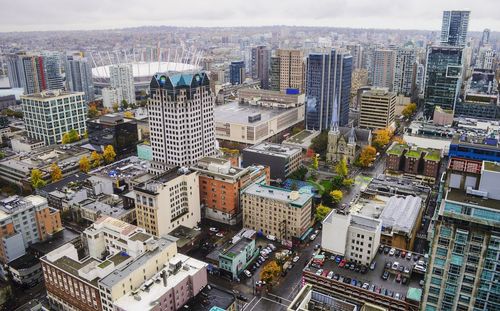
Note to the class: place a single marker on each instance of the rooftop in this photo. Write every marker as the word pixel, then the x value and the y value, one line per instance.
pixel 235 112
pixel 216 297
pixel 46 95
pixel 397 149
pixel 57 240
pixel 294 198
pixel 309 299
pixel 236 248
pixel 491 166
pixel 274 149
pixel 72 266
pixel 128 168
pixel 218 166
pixel 152 185
pixel 461 196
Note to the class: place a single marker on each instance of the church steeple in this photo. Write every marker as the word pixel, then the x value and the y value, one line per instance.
pixel 352 135
pixel 334 127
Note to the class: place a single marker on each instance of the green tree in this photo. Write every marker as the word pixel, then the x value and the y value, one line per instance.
pixel 299 174
pixel 37 178
pixel 74 135
pixel 348 182
pixel 125 104
pixel 320 143
pixel 92 112
pixel 337 196
pixel 341 168
pixel 321 212
pixel 315 161
pixel 337 182
pixel 109 154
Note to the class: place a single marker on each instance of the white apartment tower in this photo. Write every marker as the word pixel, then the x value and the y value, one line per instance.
pixel 181 119
pixel 404 70
pixel 121 76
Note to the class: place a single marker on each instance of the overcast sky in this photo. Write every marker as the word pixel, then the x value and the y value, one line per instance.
pixel 27 15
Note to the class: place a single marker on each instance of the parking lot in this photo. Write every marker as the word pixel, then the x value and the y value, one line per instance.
pixel 374 277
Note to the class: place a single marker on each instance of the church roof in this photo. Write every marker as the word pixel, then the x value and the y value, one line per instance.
pixel 361 135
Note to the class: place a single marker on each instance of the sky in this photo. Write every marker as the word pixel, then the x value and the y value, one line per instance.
pixel 34 15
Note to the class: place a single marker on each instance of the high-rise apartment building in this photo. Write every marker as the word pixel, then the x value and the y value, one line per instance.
pixel 383 68
pixel 454 28
pixel 485 38
pixel 443 77
pixel 121 76
pixel 79 76
pixel 111 97
pixel 50 114
pixel 237 72
pixel 168 201
pixel 377 109
pixel 356 51
pixel 274 76
pixel 181 119
pixel 34 73
pixel 485 58
pixel 462 273
pixel 24 221
pixel 328 89
pixel 261 57
pixel 404 70
pixel 291 69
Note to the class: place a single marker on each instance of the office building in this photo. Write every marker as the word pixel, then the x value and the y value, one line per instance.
pixel 282 213
pixel 168 201
pixel 114 130
pixel 111 97
pixel 24 221
pixel 79 76
pixel 50 114
pixel 485 58
pixel 356 51
pixel 220 187
pixel 443 77
pixel 274 76
pixel 181 119
pixel 291 70
pixel 328 89
pixel 383 68
pixel 237 72
pixel 261 57
pixel 121 76
pixel 481 97
pixel 282 160
pixel 377 109
pixel 454 28
pixel 463 256
pixel 404 70
pixel 485 38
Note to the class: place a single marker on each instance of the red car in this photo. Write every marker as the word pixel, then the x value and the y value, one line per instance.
pixel 342 263
pixel 325 273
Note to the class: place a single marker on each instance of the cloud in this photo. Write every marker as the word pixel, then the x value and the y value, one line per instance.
pixel 29 15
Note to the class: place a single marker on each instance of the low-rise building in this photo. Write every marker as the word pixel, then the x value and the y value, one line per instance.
pixel 220 186
pixel 282 160
pixel 26 270
pixel 309 299
pixel 25 144
pixel 415 161
pixel 167 201
pixel 237 254
pixel 114 130
pixel 276 211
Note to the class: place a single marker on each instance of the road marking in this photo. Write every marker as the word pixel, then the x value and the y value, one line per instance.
pixel 256 304
pixel 273 301
pixel 248 303
pixel 278 297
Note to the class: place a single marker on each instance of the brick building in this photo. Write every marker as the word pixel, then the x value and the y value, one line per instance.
pixel 414 161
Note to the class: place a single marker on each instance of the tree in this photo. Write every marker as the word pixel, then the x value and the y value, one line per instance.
pixel 341 168
pixel 96 159
pixel 399 140
pixel 125 104
pixel 315 161
pixel 320 143
pixel 55 172
pixel 337 196
pixel 367 156
pixel 70 137
pixel 299 174
pixel 294 186
pixel 65 138
pixel 128 114
pixel 115 107
pixel 109 154
pixel 37 178
pixel 382 137
pixel 92 112
pixel 321 212
pixel 337 182
pixel 84 164
pixel 409 110
pixel 348 182
pixel 270 272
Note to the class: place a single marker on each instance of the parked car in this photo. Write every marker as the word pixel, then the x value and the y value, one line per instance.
pixel 408 255
pixel 388 265
pixel 336 277
pixel 342 263
pixel 406 270
pixel 398 278
pixel 372 288
pixel 365 286
pixel 372 265
pixel 401 268
pixel 385 275
pixel 319 271
pixel 403 254
pixel 386 250
pixel 330 275
pixel 392 252
pixel 219 234
pixel 325 273
pixel 415 257
pixel 397 253
pixel 397 296
pixel 271 237
pixel 404 281
pixel 395 265
pixel 271 246
pixel 363 269
pixel 213 229
pixel 197 228
pixel 354 282
pixel 247 273
pixel 381 249
pixel 352 266
pixel 390 293
pixel 420 268
pixel 347 280
pixel 312 237
pixel 357 268
pixel 295 259
pixel 338 259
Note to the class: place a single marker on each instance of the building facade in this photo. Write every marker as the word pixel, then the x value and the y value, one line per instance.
pixel 454 28
pixel 383 68
pixel 114 130
pixel 346 143
pixel 377 110
pixel 181 119
pixel 328 89
pixel 79 76
pixel 414 161
pixel 404 70
pixel 261 57
pixel 121 77
pixel 237 72
pixel 291 70
pixel 51 114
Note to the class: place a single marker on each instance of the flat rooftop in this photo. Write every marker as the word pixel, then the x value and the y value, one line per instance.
pixel 491 166
pixel 71 266
pixel 295 198
pixel 389 186
pixel 459 195
pixel 47 95
pixel 237 247
pixel 217 297
pixel 274 149
pixel 58 239
pixel 128 168
pixel 235 112
pixel 152 184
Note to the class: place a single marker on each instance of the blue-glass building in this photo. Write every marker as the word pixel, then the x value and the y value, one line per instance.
pixel 237 72
pixel 328 89
pixel 454 27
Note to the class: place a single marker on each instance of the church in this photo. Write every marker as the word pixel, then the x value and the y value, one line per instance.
pixel 346 142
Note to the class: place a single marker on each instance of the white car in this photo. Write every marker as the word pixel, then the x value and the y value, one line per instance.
pixel 219 234
pixel 312 237
pixel 213 229
pixel 392 252
pixel 271 246
pixel 271 237
pixel 319 271
pixel 395 265
pixel 197 228
pixel 295 259
pixel 247 273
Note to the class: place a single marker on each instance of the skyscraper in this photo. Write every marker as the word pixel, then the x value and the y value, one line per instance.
pixel 328 89
pixel 443 77
pixel 377 109
pixel 404 70
pixel 274 77
pixel 79 76
pixel 237 72
pixel 383 68
pixel 485 39
pixel 454 27
pixel 291 65
pixel 121 76
pixel 51 64
pixel 181 119
pixel 356 51
pixel 261 57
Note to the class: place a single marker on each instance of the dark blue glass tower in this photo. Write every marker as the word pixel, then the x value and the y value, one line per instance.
pixel 237 72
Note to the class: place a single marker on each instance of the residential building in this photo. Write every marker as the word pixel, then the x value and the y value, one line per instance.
pixel 237 72
pixel 454 28
pixel 377 110
pixel 181 119
pixel 274 76
pixel 328 89
pixel 485 58
pixel 111 97
pixel 24 221
pixel 443 76
pixel 79 76
pixel 282 160
pixel 237 254
pixel 26 270
pixel 346 143
pixel 261 57
pixel 51 114
pixel 356 51
pixel 291 70
pixel 121 76
pixel 283 213
pixel 463 255
pixel 114 130
pixel 168 201
pixel 383 68
pixel 220 187
pixel 414 160
pixel 404 70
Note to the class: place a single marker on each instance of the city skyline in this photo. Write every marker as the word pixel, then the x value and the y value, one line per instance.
pixel 383 14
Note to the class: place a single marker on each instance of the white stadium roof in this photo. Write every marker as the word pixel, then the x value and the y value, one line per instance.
pixel 146 69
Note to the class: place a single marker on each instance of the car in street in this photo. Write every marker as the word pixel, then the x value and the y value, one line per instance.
pixel 247 273
pixel 372 265
pixel 271 237
pixel 295 259
pixel 219 234
pixel 213 229
pixel 312 237
pixel 385 275
pixel 242 298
